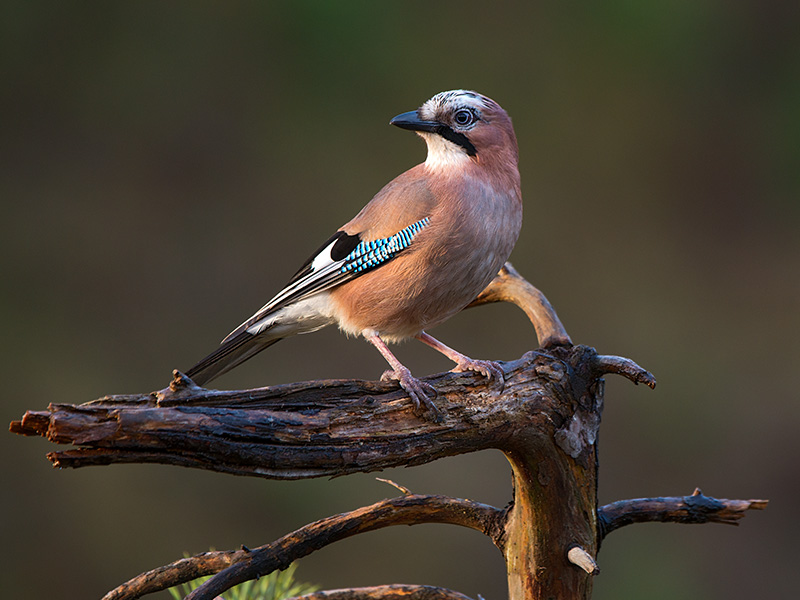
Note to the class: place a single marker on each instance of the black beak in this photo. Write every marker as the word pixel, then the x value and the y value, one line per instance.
pixel 410 120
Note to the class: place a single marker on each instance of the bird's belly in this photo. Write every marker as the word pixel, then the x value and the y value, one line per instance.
pixel 406 296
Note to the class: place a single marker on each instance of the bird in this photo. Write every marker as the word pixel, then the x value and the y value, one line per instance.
pixel 420 251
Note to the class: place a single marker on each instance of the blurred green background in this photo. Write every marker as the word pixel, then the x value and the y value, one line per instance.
pixel 165 167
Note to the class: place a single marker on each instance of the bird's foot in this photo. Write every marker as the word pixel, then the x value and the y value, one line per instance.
pixel 421 393
pixel 488 368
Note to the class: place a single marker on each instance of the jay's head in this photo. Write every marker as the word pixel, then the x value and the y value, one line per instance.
pixel 459 126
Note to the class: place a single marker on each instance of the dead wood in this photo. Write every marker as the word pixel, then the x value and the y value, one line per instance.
pixel 692 509
pixel 318 428
pixel 510 286
pixel 388 592
pixel 238 566
pixel 545 419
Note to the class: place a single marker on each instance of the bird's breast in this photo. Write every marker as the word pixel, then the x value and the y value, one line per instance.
pixel 472 230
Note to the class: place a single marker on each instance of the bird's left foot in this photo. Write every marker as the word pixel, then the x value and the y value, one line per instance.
pixel 489 369
pixel 421 393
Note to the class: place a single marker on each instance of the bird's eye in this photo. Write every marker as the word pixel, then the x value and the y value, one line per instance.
pixel 464 117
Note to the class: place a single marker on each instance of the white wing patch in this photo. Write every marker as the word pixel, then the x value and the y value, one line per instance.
pixel 323 259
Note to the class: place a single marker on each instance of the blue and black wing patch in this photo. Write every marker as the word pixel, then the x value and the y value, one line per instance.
pixel 342 258
pixel 368 255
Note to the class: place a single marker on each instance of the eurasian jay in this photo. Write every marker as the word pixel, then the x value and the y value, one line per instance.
pixel 422 249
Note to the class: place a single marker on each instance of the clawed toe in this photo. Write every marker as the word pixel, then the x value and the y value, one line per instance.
pixel 421 393
pixel 489 369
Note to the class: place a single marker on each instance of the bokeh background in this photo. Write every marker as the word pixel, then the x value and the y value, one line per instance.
pixel 165 167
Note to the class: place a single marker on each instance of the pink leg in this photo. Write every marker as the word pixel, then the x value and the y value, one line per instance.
pixel 415 388
pixel 464 363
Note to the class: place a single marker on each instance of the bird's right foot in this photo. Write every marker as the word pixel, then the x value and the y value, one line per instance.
pixel 421 393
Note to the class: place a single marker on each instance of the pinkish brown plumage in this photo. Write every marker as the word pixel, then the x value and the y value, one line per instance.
pixel 425 246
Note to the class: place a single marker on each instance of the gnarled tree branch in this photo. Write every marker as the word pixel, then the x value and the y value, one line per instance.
pixel 510 286
pixel 234 567
pixel 388 592
pixel 545 420
pixel 693 509
pixel 320 428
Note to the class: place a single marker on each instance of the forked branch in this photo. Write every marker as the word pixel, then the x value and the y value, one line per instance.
pixel 235 567
pixel 317 428
pixel 545 419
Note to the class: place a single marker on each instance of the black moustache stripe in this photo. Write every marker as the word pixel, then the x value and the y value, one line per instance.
pixel 457 138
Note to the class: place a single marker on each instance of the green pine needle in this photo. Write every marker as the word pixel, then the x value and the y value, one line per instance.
pixel 278 585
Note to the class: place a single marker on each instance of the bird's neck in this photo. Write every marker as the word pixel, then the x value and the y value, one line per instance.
pixel 448 161
pixel 444 155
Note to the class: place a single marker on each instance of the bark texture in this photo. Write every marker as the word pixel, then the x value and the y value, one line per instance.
pixel 331 427
pixel 545 419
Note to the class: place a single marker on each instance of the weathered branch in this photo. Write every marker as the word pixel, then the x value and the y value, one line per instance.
pixel 625 367
pixel 238 566
pixel 175 573
pixel 693 509
pixel 313 429
pixel 545 419
pixel 411 510
pixel 388 592
pixel 510 286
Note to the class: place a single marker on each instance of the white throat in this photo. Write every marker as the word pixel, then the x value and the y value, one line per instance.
pixel 442 153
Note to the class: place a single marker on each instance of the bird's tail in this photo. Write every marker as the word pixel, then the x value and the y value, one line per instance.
pixel 232 352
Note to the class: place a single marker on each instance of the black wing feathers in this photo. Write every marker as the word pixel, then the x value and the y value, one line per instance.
pixel 229 354
pixel 345 243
